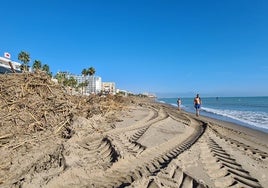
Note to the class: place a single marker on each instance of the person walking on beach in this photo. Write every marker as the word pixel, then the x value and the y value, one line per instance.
pixel 197 104
pixel 179 103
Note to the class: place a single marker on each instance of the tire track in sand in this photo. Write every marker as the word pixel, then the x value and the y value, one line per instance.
pixel 125 139
pixel 262 155
pixel 150 162
pixel 224 170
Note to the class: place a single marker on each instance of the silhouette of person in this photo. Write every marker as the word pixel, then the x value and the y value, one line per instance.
pixel 179 103
pixel 197 104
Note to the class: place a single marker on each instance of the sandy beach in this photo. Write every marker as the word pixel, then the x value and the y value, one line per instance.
pixel 121 142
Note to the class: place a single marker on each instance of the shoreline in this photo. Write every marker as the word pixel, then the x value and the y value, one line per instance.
pixel 220 118
pixel 259 133
pixel 235 122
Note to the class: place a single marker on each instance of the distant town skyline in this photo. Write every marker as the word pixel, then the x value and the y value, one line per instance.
pixel 169 48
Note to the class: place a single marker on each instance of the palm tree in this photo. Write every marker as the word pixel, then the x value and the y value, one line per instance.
pixel 46 68
pixel 72 82
pixel 91 71
pixel 37 65
pixel 60 77
pixel 84 73
pixel 25 58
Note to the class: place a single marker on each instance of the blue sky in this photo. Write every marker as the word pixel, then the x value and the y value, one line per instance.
pixel 171 48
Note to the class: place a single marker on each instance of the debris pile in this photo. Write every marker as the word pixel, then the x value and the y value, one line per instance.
pixel 32 102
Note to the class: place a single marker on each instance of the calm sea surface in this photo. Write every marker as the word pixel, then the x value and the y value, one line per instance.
pixel 246 111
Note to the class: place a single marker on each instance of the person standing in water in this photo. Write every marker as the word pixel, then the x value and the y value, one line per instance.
pixel 179 103
pixel 197 104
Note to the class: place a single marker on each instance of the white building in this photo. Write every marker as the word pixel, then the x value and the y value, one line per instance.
pixel 94 84
pixel 80 79
pixel 6 64
pixel 108 88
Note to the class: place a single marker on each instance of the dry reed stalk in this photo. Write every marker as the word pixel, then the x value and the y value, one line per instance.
pixel 49 89
pixel 45 116
pixel 7 115
pixel 22 91
pixel 14 146
pixel 38 122
pixel 67 121
pixel 15 121
pixel 6 136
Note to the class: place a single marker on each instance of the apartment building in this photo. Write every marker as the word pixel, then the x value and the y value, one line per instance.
pixel 94 84
pixel 108 87
pixel 6 64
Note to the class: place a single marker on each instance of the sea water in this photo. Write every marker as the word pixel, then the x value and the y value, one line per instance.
pixel 246 111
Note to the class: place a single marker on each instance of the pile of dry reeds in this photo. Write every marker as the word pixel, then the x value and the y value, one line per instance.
pixel 31 102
